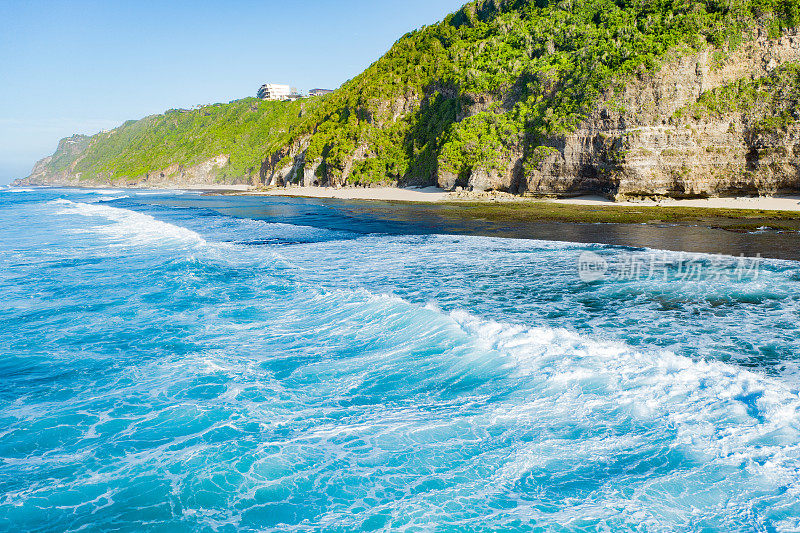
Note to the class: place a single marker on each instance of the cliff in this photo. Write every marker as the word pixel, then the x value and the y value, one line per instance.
pixel 668 98
pixel 561 98
pixel 213 144
pixel 56 169
pixel 696 127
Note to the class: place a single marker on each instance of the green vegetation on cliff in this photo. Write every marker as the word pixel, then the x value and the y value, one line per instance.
pixel 488 85
pixel 773 99
pixel 519 70
pixel 245 130
pixel 68 150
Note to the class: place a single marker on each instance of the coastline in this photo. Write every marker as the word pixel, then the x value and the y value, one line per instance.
pixel 741 215
pixel 752 233
pixel 396 194
pixel 431 194
pixel 436 195
pixel 210 187
pixel 778 215
pixel 717 230
pixel 762 203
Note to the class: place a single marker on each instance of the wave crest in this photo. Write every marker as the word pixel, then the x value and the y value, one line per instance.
pixel 130 227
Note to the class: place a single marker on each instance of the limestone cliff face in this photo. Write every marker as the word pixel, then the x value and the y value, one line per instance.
pixel 288 165
pixel 635 144
pixel 183 176
pixel 648 135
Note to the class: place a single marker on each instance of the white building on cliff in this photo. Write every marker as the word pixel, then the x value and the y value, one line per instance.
pixel 274 91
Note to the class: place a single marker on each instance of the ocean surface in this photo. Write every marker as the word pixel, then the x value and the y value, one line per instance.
pixel 170 363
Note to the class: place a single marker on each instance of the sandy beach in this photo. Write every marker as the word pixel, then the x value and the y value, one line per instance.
pixel 217 187
pixel 434 194
pixel 408 194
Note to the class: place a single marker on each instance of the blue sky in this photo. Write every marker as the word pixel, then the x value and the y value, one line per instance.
pixel 79 66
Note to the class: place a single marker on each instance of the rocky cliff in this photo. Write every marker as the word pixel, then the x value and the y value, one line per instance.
pixel 653 138
pixel 173 176
pixel 680 98
pixel 556 98
pixel 57 169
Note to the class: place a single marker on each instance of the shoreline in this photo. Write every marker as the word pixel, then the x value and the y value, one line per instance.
pixel 436 195
pixel 744 214
pixel 733 215
pixel 210 187
pixel 394 194
pixel 675 225
pixel 756 203
pixel 431 194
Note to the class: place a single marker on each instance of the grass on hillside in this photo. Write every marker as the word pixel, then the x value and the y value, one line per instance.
pixel 245 130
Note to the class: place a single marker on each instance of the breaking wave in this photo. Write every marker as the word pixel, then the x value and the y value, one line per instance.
pixel 190 371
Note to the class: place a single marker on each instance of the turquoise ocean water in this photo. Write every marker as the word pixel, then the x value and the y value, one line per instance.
pixel 168 367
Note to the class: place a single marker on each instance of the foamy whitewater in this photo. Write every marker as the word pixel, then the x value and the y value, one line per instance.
pixel 170 368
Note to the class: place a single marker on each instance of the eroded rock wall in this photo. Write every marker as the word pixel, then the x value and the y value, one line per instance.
pixel 634 145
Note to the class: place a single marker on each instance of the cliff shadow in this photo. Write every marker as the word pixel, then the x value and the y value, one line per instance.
pixel 438 110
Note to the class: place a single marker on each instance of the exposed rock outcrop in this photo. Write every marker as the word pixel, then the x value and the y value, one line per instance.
pixel 489 180
pixel 179 175
pixel 57 169
pixel 634 144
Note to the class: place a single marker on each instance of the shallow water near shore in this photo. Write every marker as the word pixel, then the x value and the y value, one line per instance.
pixel 703 236
pixel 179 362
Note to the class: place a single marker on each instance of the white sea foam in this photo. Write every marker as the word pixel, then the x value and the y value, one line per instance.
pixel 112 198
pixel 680 435
pixel 738 427
pixel 106 191
pixel 248 231
pixel 17 189
pixel 157 192
pixel 723 414
pixel 434 417
pixel 130 227
pixel 657 383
